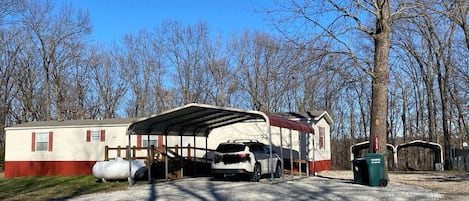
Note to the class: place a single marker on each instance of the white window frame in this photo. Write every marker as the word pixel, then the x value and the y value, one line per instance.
pixel 42 141
pixel 322 138
pixel 153 140
pixel 95 135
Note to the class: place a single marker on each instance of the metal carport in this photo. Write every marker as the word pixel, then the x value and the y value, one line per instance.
pixel 199 120
pixel 435 147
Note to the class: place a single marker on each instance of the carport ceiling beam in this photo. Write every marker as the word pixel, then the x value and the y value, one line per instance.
pixel 224 120
pixel 199 120
pixel 230 121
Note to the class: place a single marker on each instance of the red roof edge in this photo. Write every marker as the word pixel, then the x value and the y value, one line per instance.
pixel 289 124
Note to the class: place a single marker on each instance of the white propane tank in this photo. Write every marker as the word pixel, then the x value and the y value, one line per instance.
pixel 118 169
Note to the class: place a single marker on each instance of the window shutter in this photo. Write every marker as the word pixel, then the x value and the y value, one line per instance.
pixel 33 141
pixel 103 135
pixel 51 135
pixel 160 141
pixel 139 141
pixel 88 136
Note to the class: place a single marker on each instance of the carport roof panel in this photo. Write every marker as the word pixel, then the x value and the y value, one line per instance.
pixel 198 120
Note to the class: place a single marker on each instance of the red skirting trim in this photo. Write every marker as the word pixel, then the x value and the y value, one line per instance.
pixel 320 165
pixel 47 168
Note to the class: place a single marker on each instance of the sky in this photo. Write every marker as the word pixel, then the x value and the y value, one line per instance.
pixel 112 19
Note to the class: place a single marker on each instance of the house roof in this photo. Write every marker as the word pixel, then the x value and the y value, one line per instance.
pixel 199 120
pixel 73 123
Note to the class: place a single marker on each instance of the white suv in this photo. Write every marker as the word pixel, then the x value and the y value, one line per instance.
pixel 244 157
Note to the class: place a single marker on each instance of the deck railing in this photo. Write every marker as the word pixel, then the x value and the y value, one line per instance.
pixel 155 153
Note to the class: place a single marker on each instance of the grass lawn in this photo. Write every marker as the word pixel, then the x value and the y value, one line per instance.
pixel 53 187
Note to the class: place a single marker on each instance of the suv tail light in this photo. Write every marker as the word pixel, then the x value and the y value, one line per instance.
pixel 244 157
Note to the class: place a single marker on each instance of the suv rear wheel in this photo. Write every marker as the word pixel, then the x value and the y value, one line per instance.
pixel 256 173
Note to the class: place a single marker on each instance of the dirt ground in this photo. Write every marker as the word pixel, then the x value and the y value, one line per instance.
pixel 453 185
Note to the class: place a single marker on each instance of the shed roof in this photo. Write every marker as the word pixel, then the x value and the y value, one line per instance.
pixel 314 115
pixel 199 120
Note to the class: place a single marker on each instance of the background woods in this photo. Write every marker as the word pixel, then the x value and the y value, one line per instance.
pixel 322 57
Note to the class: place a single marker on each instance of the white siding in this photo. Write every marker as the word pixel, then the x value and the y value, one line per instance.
pixel 68 143
pixel 325 153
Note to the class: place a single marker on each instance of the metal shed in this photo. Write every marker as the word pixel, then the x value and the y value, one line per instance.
pixel 198 120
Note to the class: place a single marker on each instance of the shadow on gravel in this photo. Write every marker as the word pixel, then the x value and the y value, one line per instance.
pixel 346 181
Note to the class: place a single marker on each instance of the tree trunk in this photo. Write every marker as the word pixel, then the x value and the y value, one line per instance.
pixel 378 127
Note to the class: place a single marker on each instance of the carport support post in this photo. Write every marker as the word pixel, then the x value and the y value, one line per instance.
pixel 166 156
pixel 291 156
pixel 181 158
pixel 307 154
pixel 193 158
pixel 271 159
pixel 281 154
pixel 130 162
pixel 206 155
pixel 149 160
pixel 299 153
pixel 394 155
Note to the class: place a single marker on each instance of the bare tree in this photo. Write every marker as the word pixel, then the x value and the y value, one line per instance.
pixel 222 83
pixel 267 70
pixel 184 55
pixel 143 70
pixel 107 78
pixel 57 36
pixel 9 9
pixel 458 12
pixel 9 58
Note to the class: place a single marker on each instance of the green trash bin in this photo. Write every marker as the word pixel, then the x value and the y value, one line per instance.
pixel 375 164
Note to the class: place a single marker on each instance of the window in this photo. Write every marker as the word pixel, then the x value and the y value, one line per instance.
pixel 95 135
pixel 145 143
pixel 153 140
pixel 41 141
pixel 322 139
pixel 142 140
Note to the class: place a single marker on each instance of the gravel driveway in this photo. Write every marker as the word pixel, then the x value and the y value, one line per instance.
pixel 453 185
pixel 324 187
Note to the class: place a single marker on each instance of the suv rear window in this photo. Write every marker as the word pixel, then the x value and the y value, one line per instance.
pixel 258 148
pixel 228 148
